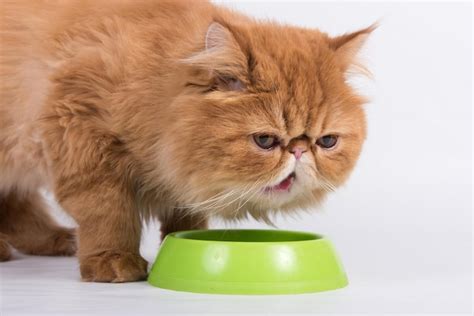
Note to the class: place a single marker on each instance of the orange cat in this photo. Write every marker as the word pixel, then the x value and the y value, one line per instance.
pixel 176 110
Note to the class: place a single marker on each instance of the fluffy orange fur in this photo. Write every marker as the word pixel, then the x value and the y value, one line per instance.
pixel 136 109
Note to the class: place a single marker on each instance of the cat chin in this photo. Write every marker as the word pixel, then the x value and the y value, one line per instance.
pixel 265 208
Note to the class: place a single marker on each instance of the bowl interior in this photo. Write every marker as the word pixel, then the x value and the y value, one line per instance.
pixel 246 235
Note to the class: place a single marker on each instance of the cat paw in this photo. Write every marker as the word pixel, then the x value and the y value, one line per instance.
pixel 59 243
pixel 5 251
pixel 113 266
pixel 64 243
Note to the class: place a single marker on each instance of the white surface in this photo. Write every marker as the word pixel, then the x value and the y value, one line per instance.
pixel 46 286
pixel 402 224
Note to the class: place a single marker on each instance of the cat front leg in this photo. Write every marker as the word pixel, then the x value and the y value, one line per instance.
pixel 90 173
pixel 109 230
pixel 91 168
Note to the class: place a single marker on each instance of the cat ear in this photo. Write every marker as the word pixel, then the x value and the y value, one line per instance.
pixel 347 46
pixel 218 37
pixel 222 56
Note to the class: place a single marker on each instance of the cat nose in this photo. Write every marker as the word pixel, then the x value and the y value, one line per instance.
pixel 298 151
pixel 298 146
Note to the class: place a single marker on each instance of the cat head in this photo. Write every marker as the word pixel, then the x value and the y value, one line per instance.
pixel 266 120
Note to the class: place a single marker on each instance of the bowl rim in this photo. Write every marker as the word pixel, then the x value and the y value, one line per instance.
pixel 311 237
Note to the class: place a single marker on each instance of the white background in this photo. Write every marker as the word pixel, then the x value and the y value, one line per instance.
pixel 402 224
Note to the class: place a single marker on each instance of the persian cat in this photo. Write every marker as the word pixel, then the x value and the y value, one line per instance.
pixel 175 110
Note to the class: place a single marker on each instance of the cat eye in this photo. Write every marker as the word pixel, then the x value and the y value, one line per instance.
pixel 229 83
pixel 327 141
pixel 266 141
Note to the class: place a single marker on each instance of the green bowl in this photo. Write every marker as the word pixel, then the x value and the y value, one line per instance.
pixel 247 262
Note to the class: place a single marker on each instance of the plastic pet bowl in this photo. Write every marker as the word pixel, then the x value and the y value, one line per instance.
pixel 247 262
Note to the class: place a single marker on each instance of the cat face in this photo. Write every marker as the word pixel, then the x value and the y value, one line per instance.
pixel 266 121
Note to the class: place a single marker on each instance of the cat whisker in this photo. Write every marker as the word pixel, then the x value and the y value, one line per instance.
pixel 217 204
pixel 327 185
pixel 209 200
pixel 254 186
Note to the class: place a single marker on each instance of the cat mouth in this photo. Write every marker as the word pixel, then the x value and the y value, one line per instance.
pixel 284 185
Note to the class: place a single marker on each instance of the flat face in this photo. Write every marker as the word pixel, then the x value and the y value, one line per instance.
pixel 247 235
pixel 265 121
